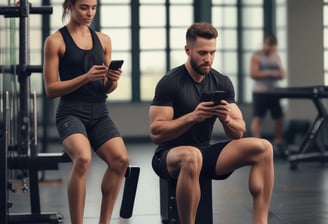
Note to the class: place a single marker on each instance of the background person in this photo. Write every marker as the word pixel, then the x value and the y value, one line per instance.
pixel 266 70
pixel 81 56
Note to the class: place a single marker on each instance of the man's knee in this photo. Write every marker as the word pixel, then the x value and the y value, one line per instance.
pixel 189 162
pixel 265 150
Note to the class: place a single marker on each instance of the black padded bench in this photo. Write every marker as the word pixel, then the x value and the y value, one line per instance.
pixel 50 161
pixel 168 206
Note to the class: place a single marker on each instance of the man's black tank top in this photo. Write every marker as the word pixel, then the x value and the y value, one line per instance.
pixel 76 62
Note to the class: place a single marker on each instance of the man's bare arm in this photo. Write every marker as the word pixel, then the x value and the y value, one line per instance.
pixel 232 120
pixel 164 128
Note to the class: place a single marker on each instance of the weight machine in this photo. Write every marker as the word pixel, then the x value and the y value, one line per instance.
pixel 314 144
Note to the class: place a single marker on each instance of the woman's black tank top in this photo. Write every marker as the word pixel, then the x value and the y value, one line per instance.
pixel 76 62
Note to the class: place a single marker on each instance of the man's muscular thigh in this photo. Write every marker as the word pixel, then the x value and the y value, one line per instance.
pixel 241 152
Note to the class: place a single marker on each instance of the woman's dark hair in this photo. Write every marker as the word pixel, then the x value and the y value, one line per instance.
pixel 66 10
pixel 201 29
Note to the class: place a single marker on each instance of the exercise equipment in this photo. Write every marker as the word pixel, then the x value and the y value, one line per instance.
pixel 313 147
pixel 169 212
pixel 129 191
pixel 23 147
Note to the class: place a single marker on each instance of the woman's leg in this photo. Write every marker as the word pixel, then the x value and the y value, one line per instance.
pixel 113 152
pixel 78 148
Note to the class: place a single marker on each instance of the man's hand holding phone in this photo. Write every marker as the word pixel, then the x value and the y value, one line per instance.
pixel 214 97
pixel 215 105
pixel 209 106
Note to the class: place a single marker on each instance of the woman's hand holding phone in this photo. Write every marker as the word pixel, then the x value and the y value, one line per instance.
pixel 114 70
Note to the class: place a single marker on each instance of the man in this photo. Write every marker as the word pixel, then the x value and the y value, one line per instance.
pixel 266 71
pixel 182 125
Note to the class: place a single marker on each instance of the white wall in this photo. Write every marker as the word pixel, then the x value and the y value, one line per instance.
pixel 305 51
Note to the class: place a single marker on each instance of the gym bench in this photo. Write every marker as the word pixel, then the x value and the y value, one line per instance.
pixel 50 161
pixel 169 213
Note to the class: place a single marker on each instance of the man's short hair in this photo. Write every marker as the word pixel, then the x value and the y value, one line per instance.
pixel 270 39
pixel 201 29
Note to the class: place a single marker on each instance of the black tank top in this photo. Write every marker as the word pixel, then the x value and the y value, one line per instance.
pixel 76 62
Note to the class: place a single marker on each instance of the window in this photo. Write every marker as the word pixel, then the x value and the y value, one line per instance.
pixel 160 31
pixel 325 38
pixel 152 45
pixel 35 47
pixel 252 39
pixel 240 27
pixel 162 40
pixel 115 21
pixel 160 46
pixel 281 33
pixel 225 19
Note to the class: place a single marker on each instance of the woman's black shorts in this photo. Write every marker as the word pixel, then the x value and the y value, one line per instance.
pixel 89 119
pixel 210 155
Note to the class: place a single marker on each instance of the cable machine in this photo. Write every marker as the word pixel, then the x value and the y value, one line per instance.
pixel 26 157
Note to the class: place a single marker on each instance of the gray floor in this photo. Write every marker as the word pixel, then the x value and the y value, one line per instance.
pixel 299 197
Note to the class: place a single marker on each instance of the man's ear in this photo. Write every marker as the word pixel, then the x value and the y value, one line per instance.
pixel 187 49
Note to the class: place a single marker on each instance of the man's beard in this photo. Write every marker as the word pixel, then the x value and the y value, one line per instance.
pixel 198 68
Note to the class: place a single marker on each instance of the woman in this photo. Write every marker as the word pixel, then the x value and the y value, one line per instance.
pixel 80 56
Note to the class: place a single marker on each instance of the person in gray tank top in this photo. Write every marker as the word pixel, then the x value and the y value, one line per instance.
pixel 266 70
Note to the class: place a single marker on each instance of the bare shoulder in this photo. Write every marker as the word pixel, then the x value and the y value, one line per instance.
pixel 256 55
pixel 54 42
pixel 55 38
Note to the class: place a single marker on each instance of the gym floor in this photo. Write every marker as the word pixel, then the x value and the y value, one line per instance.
pixel 300 196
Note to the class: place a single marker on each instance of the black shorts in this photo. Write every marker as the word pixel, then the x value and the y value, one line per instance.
pixel 89 119
pixel 261 104
pixel 210 155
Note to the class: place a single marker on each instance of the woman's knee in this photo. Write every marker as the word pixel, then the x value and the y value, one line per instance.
pixel 81 164
pixel 114 154
pixel 119 163
pixel 122 161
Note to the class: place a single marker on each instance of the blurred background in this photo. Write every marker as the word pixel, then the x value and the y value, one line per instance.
pixel 150 36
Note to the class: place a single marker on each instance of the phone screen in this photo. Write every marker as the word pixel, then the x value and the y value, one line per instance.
pixel 115 64
pixel 218 96
pixel 215 97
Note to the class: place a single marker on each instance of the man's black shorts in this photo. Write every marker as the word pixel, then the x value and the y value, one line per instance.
pixel 261 104
pixel 210 155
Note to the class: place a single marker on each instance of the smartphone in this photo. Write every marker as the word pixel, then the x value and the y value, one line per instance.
pixel 215 97
pixel 218 96
pixel 115 64
pixel 206 97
